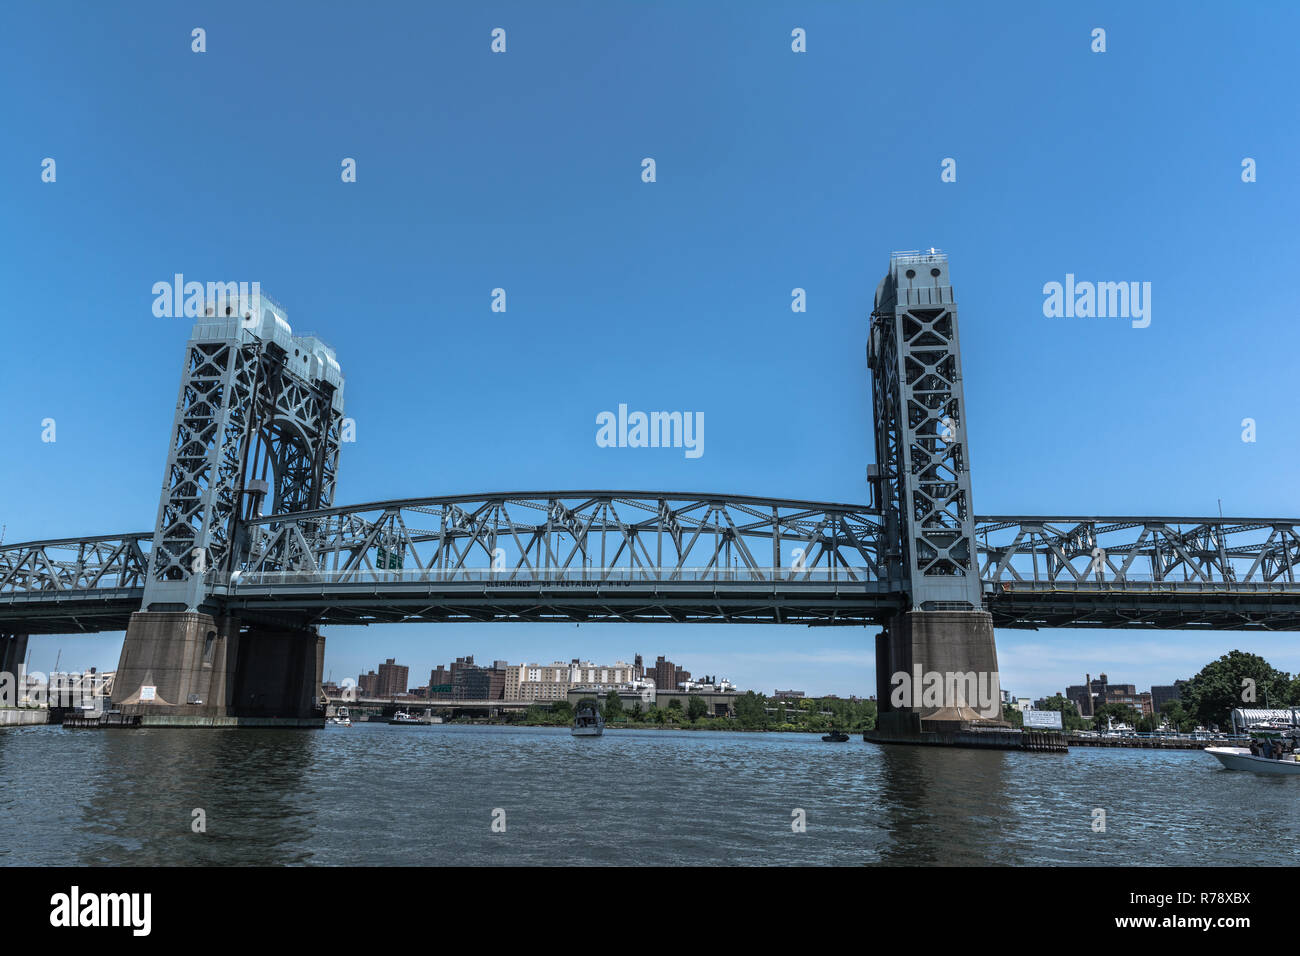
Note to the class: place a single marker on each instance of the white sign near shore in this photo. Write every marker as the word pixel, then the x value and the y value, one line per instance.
pixel 1050 719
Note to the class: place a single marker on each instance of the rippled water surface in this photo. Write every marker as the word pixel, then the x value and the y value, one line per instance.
pixel 379 795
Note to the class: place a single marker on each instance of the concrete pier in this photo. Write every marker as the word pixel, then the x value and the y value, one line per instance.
pixel 23 716
pixel 937 673
pixel 13 651
pixel 187 668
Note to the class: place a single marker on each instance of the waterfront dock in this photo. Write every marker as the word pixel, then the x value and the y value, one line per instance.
pixel 1151 743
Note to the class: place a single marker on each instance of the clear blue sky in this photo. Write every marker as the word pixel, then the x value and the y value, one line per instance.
pixel 775 170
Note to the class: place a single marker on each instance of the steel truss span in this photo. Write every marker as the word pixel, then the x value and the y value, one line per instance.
pixel 659 556
pixel 571 556
pixel 70 585
pixel 1139 572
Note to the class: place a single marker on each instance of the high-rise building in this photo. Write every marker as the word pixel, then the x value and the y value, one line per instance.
pixel 1163 693
pixel 393 679
pixel 368 685
pixel 470 681
pixel 497 688
pixel 440 683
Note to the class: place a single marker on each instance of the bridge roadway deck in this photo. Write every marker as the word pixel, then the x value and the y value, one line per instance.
pixel 1135 605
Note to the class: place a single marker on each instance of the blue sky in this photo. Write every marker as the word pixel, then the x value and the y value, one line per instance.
pixel 775 170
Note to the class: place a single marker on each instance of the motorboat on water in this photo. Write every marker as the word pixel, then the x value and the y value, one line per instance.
pixel 403 719
pixel 587 721
pixel 1271 751
pixel 835 737
pixel 340 718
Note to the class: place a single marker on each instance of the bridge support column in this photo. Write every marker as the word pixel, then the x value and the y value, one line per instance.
pixel 278 675
pixel 937 676
pixel 187 668
pixel 13 652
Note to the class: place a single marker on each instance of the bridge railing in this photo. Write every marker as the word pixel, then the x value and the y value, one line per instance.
pixel 530 577
pixel 1141 584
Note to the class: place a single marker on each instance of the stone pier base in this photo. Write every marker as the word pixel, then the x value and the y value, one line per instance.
pixel 187 668
pixel 950 686
pixel 13 652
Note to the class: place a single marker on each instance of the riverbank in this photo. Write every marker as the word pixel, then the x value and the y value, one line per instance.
pixel 718 724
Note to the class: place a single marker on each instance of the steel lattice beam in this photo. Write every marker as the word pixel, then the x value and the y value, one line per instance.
pixel 644 555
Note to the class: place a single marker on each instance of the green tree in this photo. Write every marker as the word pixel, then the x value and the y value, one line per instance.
pixel 1236 679
pixel 696 708
pixel 613 706
pixel 1177 717
pixel 1012 716
pixel 751 711
pixel 1118 713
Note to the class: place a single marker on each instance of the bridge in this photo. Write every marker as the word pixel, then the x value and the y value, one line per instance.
pixel 248 557
pixel 514 556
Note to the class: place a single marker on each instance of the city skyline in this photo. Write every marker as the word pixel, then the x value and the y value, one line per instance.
pixel 1149 663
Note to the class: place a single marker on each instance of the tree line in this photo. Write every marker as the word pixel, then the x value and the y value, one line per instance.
pixel 753 712
pixel 1237 679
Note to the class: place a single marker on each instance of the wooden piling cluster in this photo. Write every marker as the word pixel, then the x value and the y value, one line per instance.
pixel 82 722
pixel 1044 741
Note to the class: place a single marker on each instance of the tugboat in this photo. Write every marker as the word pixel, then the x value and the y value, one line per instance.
pixel 587 721
pixel 835 737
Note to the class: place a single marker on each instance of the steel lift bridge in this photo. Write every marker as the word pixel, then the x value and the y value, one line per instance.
pixel 221 601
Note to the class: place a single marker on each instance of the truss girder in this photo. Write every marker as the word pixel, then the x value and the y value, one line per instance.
pixel 548 534
pixel 71 565
pixel 608 555
pixel 1214 552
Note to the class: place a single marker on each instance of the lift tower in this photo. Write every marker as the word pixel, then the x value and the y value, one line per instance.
pixel 923 488
pixel 256 433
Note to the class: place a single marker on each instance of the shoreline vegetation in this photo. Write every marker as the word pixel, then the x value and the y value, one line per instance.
pixel 754 712
pixel 1236 679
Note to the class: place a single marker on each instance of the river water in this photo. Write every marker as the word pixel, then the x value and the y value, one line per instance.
pixel 373 794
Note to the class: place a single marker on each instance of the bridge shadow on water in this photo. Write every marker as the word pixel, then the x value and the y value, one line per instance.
pixel 190 797
pixel 942 806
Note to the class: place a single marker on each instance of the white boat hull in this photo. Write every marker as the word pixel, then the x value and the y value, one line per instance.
pixel 588 731
pixel 1240 758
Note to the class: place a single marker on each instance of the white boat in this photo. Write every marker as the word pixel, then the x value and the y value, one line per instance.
pixel 587 721
pixel 1240 758
pixel 341 719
